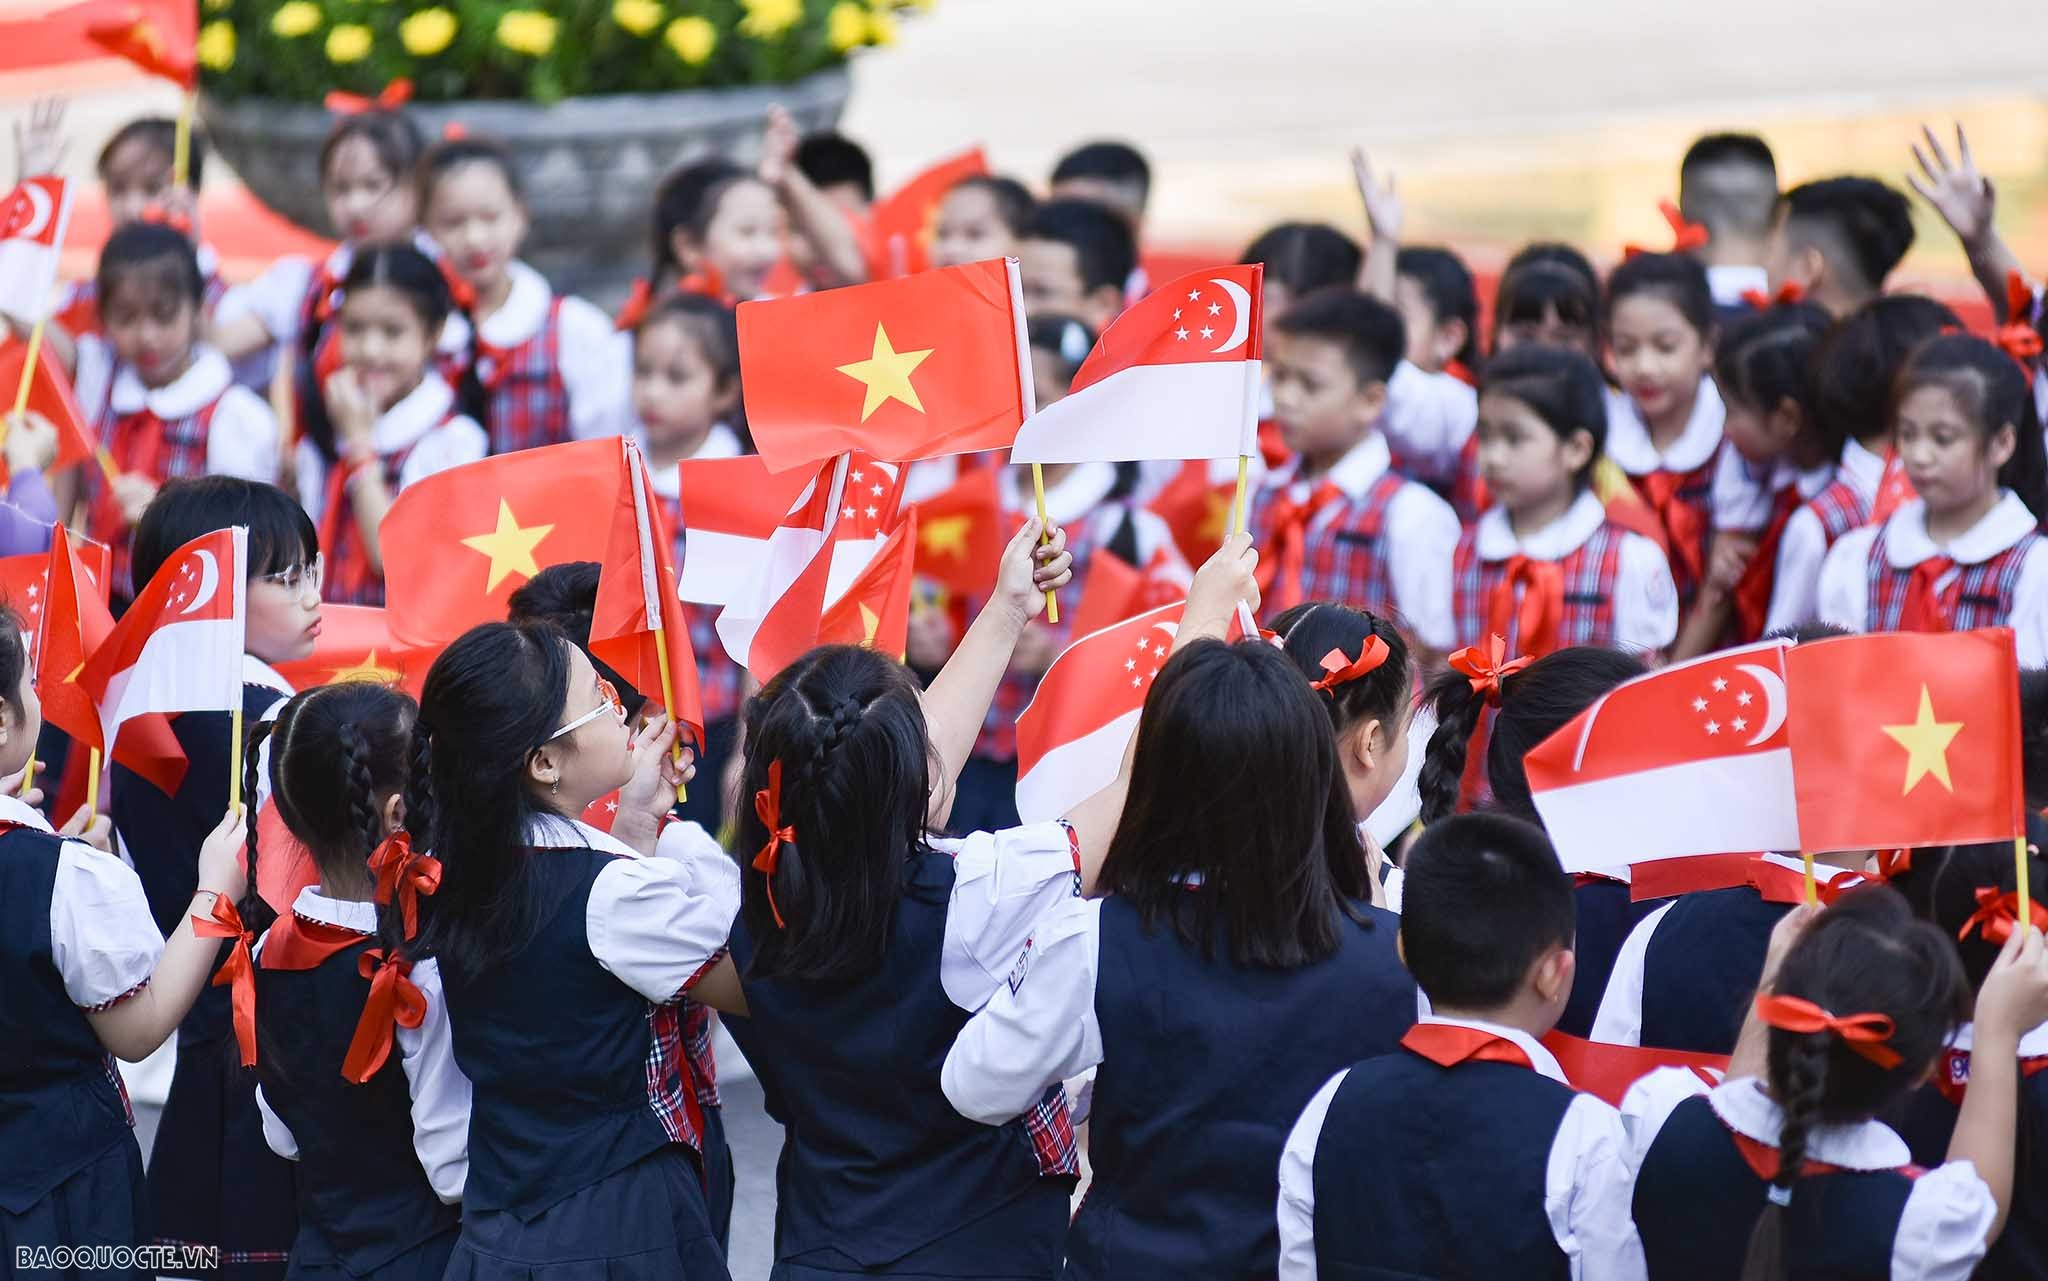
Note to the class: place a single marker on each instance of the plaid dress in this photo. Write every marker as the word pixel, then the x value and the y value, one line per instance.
pixel 1967 596
pixel 143 443
pixel 526 401
pixel 1341 554
pixel 1585 612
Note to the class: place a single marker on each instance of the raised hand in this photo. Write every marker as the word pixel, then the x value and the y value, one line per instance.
pixel 1959 192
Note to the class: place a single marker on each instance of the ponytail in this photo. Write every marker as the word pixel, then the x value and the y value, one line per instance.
pixel 1804 1086
pixel 257 914
pixel 1458 708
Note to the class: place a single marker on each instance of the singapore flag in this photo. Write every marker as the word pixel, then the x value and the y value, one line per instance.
pixel 33 218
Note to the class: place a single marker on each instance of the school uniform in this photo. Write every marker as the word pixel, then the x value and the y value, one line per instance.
pixel 1193 1094
pixel 1461 1154
pixel 425 432
pixel 1894 577
pixel 78 301
pixel 1730 283
pixel 1758 499
pixel 198 424
pixel 381 1164
pixel 1428 420
pixel 1860 1209
pixel 1678 482
pixel 1607 912
pixel 75 936
pixel 583 1138
pixel 552 367
pixel 1843 504
pixel 1686 974
pixel 1362 535
pixel 1580 580
pixel 878 1175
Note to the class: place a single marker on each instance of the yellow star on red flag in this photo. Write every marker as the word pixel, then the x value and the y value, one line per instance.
pixel 509 547
pixel 1926 742
pixel 886 375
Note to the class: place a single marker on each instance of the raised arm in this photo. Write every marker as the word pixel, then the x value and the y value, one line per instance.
pixel 1966 201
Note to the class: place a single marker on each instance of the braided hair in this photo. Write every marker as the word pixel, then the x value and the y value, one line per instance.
pixel 337 754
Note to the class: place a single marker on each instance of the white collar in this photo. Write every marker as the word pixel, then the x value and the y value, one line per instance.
pixel 720 442
pixel 417 412
pixel 1810 482
pixel 1354 473
pixel 1560 538
pixel 553 832
pixel 199 386
pixel 1729 281
pixel 1862 469
pixel 1744 1108
pixel 1077 494
pixel 2033 1045
pixel 15 810
pixel 1628 436
pixel 1539 1058
pixel 1907 541
pixel 524 311
pixel 342 913
pixel 257 672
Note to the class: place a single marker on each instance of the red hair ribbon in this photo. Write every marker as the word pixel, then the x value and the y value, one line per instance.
pixel 1338 669
pixel 1487 666
pixel 636 306
pixel 460 291
pixel 768 808
pixel 237 973
pixel 2016 338
pixel 394 1001
pixel 177 220
pixel 390 98
pixel 403 876
pixel 1685 236
pixel 1788 293
pixel 1997 913
pixel 1866 1034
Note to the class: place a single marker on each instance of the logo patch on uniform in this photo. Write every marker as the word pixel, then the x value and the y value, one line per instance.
pixel 1017 971
pixel 1958 1069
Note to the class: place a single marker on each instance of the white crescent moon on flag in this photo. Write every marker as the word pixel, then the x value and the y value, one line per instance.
pixel 1774 699
pixel 40 211
pixel 1172 630
pixel 209 582
pixel 1241 299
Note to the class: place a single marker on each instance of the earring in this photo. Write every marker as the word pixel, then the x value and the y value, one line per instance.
pixel 555 788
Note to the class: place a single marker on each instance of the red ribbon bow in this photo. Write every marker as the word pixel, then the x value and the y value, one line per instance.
pixel 2017 338
pixel 394 1001
pixel 403 876
pixel 1685 236
pixel 768 808
pixel 176 219
pixel 1529 598
pixel 390 98
pixel 1338 669
pixel 1788 293
pixel 1866 1034
pixel 1288 521
pixel 1892 863
pixel 1487 666
pixel 237 973
pixel 636 306
pixel 1997 913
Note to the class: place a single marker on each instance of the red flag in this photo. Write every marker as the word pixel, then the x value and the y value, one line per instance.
pixel 33 220
pixel 1195 505
pixel 928 365
pixel 1606 1071
pixel 638 615
pixel 733 506
pixel 962 532
pixel 1116 591
pixel 356 644
pixel 901 225
pixel 875 611
pixel 1907 739
pixel 49 394
pixel 777 621
pixel 1071 737
pixel 160 36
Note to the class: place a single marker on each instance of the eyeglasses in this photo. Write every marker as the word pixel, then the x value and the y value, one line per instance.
pixel 300 579
pixel 608 701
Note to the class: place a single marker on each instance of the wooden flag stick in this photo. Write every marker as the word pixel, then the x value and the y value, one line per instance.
pixel 235 758
pixel 181 143
pixel 28 369
pixel 668 699
pixel 92 783
pixel 1052 604
pixel 2026 905
pixel 28 773
pixel 1237 500
pixel 1812 889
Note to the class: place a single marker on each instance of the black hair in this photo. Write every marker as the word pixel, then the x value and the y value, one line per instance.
pixel 1865 954
pixel 831 158
pixel 1312 629
pixel 490 701
pixel 1446 281
pixel 564 597
pixel 1484 899
pixel 1561 386
pixel 1993 392
pixel 13 658
pixel 1863 226
pixel 1535 703
pixel 1766 358
pixel 1238 829
pixel 281 535
pixel 678 202
pixel 160 134
pixel 1306 256
pixel 846 726
pixel 1678 279
pixel 450 154
pixel 399 266
pixel 1807 632
pixel 2034 737
pixel 1369 331
pixel 391 134
pixel 1548 277
pixel 1067 339
pixel 1728 182
pixel 711 325
pixel 1943 885
pixel 1013 200
pixel 1116 162
pixel 1857 359
pixel 154 250
pixel 1103 248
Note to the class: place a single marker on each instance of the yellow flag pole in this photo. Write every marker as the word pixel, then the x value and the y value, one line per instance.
pixel 28 774
pixel 92 783
pixel 1237 500
pixel 668 699
pixel 235 758
pixel 181 144
pixel 28 368
pixel 2026 907
pixel 1812 888
pixel 1052 604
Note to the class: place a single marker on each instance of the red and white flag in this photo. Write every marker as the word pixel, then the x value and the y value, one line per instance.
pixel 1175 376
pixel 636 623
pixel 732 507
pixel 1072 736
pixel 1693 759
pixel 33 219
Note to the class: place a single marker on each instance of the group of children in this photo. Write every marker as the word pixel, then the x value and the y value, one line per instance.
pixel 456 1030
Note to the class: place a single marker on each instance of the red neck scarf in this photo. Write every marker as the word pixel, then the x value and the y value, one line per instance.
pixel 1685 532
pixel 1533 619
pixel 1930 607
pixel 1448 1044
pixel 1281 576
pixel 1753 590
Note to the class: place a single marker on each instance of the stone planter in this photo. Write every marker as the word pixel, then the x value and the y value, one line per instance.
pixel 589 165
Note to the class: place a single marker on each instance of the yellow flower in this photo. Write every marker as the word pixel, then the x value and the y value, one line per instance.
pixel 427 32
pixel 767 19
pixel 527 31
pixel 693 38
pixel 216 47
pixel 846 25
pixel 637 16
pixel 348 42
pixel 295 19
pixel 215 6
pixel 882 28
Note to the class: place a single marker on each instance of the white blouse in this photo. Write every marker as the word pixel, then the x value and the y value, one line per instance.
pixel 1428 418
pixel 1628 436
pixel 102 937
pixel 423 421
pixel 241 439
pixel 597 369
pixel 1803 547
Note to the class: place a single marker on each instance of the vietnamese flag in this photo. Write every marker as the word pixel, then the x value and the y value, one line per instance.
pixel 356 644
pixel 875 611
pixel 159 36
pixel 961 534
pixel 49 394
pixel 901 225
pixel 637 622
pixel 928 365
pixel 1902 739
pixel 76 622
pixel 1195 505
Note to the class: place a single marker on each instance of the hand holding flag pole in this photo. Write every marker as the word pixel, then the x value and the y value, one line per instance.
pixel 1052 604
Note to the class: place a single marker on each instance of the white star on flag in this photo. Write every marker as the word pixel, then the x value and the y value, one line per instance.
pixel 1699 704
pixel 1194 295
pixel 1720 684
pixel 1181 334
pixel 1130 664
pixel 1713 727
pixel 1215 308
pixel 1743 698
pixel 1738 724
pixel 1208 332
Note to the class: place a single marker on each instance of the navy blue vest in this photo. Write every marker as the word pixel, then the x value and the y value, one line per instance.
pixel 360 1182
pixel 1205 1068
pixel 555 1049
pixel 59 1108
pixel 1427 1171
pixel 1606 913
pixel 2021 1251
pixel 876 1165
pixel 1701 969
pixel 1697 1202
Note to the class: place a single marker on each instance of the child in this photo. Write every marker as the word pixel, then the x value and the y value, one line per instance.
pixel 381 1146
pixel 395 419
pixel 1300 258
pixel 1075 257
pixel 163 400
pixel 1464 1153
pixel 1544 567
pixel 981 217
pixel 212 1181
pixel 1664 425
pixel 1111 174
pixel 1728 183
pixel 549 366
pixel 1783 1170
pixel 562 952
pixel 1339 523
pixel 1433 292
pixel 1548 294
pixel 839 168
pixel 1838 238
pixel 1967 552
